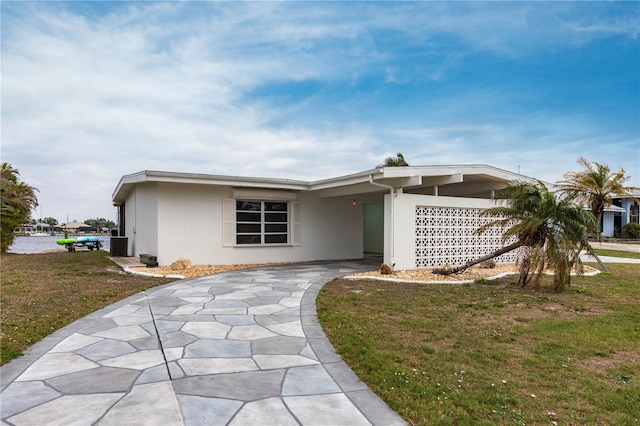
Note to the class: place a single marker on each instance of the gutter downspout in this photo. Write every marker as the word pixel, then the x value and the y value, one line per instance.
pixel 392 194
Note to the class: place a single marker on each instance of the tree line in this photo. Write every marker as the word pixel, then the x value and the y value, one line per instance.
pixel 97 223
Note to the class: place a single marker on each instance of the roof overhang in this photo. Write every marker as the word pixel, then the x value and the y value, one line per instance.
pixel 127 182
pixel 614 209
pixel 460 181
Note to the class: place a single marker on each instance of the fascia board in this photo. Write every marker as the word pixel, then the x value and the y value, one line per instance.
pixel 408 171
pixel 407 182
pixel 615 209
pixel 402 177
pixel 127 181
pixel 450 170
pixel 447 170
pixel 203 179
pixel 443 179
pixel 353 179
pixel 358 189
pixel 125 184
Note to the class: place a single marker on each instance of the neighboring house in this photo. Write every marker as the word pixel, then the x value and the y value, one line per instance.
pixel 414 216
pixel 38 229
pixel 623 210
pixel 75 226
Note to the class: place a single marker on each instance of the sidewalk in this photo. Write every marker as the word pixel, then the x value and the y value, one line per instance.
pixel 634 248
pixel 608 259
pixel 237 348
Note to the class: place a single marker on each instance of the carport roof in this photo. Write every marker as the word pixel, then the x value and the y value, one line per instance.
pixel 476 180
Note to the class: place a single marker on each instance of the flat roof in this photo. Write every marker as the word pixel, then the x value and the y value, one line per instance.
pixel 397 177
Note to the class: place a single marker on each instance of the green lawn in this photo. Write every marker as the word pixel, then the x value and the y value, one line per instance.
pixel 437 354
pixel 617 253
pixel 493 353
pixel 44 292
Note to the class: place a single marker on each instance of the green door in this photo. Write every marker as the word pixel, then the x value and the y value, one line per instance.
pixel 373 228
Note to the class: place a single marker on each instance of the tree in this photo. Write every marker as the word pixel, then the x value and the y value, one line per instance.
pixel 550 232
pixel 396 161
pixel 50 221
pixel 17 201
pixel 595 185
pixel 100 223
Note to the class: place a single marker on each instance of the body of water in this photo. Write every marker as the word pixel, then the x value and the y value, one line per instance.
pixel 27 245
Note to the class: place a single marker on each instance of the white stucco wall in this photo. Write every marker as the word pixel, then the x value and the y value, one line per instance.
pixel 145 219
pixel 189 225
pixel 607 224
pixel 331 228
pixel 129 220
pixel 141 219
pixel 189 218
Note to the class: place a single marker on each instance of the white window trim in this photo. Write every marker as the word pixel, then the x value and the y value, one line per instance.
pixel 229 234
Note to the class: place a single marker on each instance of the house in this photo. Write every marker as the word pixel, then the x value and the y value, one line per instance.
pixel 414 217
pixel 623 210
pixel 75 226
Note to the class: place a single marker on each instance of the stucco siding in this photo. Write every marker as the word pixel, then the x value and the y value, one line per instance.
pixel 331 228
pixel 190 225
pixel 145 220
pixel 141 219
pixel 130 213
pixel 189 222
pixel 607 224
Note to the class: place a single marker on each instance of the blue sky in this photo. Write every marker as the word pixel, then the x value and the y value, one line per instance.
pixel 311 90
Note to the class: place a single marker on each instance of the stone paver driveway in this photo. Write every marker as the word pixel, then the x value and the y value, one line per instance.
pixel 237 348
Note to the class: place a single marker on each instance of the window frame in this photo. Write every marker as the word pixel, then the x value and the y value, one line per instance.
pixel 634 212
pixel 265 213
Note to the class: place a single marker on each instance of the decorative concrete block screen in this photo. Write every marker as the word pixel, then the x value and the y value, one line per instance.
pixel 446 235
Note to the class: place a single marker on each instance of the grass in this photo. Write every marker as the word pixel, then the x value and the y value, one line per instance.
pixel 44 292
pixel 484 353
pixel 493 353
pixel 617 253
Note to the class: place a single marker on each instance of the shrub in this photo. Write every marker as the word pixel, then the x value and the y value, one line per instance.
pixel 631 230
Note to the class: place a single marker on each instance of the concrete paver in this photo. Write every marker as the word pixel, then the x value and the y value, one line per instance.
pixel 237 348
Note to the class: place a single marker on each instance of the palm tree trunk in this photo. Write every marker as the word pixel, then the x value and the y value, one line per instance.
pixel 592 253
pixel 461 268
pixel 602 265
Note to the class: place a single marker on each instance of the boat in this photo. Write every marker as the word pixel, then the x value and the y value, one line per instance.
pixel 42 225
pixel 72 243
pixel 65 241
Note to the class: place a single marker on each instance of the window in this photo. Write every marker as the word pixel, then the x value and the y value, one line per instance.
pixel 262 222
pixel 634 212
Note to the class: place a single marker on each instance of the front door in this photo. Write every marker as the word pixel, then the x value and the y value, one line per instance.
pixel 373 215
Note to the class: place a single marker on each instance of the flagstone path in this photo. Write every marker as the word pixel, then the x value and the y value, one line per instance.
pixel 237 348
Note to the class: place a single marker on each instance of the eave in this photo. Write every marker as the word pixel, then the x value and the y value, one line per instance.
pixel 454 180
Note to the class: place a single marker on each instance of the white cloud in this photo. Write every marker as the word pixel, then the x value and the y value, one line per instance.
pixel 93 91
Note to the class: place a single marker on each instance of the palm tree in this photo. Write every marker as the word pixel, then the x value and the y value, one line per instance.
pixel 17 199
pixel 550 232
pixel 595 186
pixel 396 161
